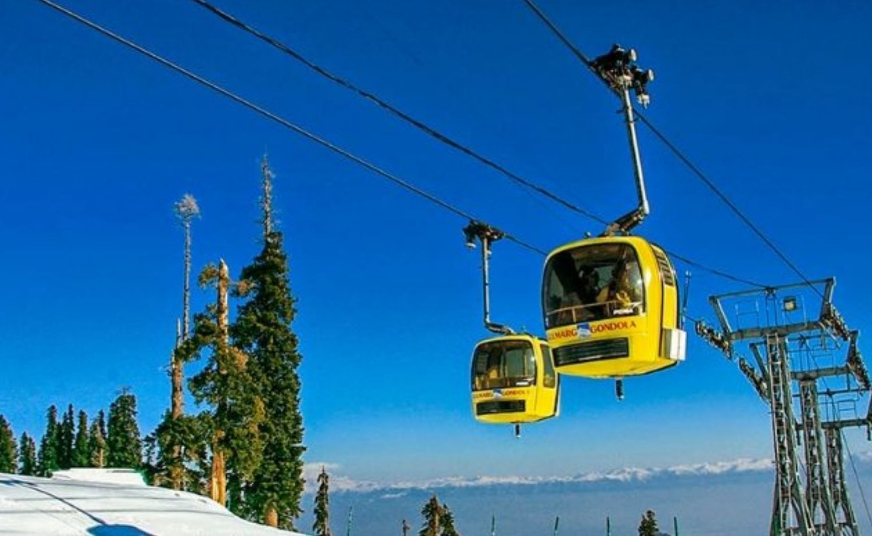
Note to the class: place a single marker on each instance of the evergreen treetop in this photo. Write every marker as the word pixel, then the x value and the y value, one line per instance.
pixel 49 445
pixel 433 513
pixel 322 505
pixel 81 451
pixel 648 525
pixel 67 437
pixel 263 332
pixel 123 443
pixel 27 456
pixel 8 447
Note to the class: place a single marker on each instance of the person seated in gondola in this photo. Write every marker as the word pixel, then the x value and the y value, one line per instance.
pixel 617 296
pixel 588 293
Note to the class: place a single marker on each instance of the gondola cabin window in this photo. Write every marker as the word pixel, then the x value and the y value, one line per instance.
pixel 593 282
pixel 549 375
pixel 504 364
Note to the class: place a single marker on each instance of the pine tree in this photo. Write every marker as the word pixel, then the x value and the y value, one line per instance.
pixel 432 512
pixel 97 442
pixel 81 452
pixel 124 445
pixel 322 505
pixel 180 441
pixel 8 448
pixel 447 522
pixel 27 456
pixel 263 332
pixel 226 385
pixel 67 436
pixel 648 525
pixel 181 453
pixel 186 210
pixel 49 445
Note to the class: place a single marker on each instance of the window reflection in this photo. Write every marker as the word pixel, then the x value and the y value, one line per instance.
pixel 592 282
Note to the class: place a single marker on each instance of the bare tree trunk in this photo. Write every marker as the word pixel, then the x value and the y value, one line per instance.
pixel 178 400
pixel 185 210
pixel 219 469
pixel 176 413
pixel 218 487
pixel 271 517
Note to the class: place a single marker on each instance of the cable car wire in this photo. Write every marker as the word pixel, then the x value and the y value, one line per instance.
pixel 394 110
pixel 678 153
pixel 714 271
pixel 276 118
pixel 713 187
pixel 342 152
pixel 434 133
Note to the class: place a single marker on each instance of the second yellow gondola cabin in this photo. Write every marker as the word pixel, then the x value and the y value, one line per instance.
pixel 513 380
pixel 611 308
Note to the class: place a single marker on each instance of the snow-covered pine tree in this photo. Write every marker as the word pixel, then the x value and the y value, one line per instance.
pixel 97 441
pixel 49 445
pixel 322 505
pixel 8 448
pixel 263 332
pixel 225 384
pixel 432 513
pixel 648 525
pixel 447 522
pixel 124 446
pixel 27 455
pixel 67 437
pixel 81 452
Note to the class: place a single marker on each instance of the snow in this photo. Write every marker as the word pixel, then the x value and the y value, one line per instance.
pixel 102 476
pixel 111 502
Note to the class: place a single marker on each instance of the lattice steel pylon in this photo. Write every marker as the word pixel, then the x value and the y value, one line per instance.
pixel 810 495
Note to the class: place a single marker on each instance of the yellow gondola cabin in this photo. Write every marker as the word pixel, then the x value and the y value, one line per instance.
pixel 513 380
pixel 611 308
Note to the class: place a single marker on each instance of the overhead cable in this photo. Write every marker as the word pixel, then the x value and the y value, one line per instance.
pixel 587 62
pixel 368 95
pixel 393 109
pixel 274 117
pixel 715 271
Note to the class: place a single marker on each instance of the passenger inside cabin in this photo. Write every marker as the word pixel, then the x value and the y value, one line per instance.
pixel 589 285
pixel 617 296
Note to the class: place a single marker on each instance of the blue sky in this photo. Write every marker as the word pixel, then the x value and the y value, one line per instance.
pixel 98 143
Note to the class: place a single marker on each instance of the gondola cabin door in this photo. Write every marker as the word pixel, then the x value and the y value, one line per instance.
pixel 513 380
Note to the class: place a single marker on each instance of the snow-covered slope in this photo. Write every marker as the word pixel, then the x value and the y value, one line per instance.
pixel 92 504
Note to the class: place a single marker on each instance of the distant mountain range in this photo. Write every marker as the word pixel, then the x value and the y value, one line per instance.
pixel 729 497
